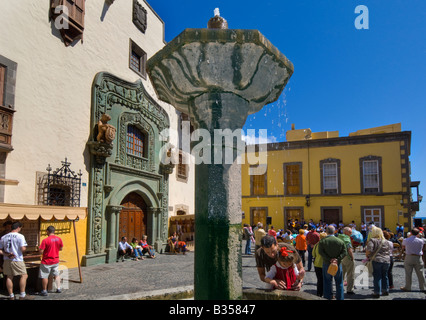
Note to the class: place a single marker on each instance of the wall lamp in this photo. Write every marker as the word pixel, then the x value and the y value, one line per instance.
pixel 308 200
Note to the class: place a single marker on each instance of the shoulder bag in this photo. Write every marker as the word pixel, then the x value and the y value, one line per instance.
pixel 369 263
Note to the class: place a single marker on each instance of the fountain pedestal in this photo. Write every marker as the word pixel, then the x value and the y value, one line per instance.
pixel 218 77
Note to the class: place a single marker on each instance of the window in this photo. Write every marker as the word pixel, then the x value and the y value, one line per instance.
pixel 182 167
pixel 71 24
pixel 135 141
pixel 59 195
pixel 2 83
pixel 60 187
pixel 375 215
pixel 185 118
pixel 8 72
pixel 137 59
pixel 258 178
pixel 371 176
pixel 370 169
pixel 293 178
pixel 76 11
pixel 330 176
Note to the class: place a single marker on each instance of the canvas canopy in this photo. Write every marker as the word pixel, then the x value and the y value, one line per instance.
pixel 32 212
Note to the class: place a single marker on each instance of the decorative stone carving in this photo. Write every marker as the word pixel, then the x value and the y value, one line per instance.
pixel 100 150
pixel 139 16
pixel 167 168
pixel 106 132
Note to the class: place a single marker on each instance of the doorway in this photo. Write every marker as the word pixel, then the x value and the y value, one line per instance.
pixel 133 217
pixel 331 215
pixel 259 215
pixel 292 214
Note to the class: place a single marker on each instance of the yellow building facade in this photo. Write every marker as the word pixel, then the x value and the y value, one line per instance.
pixel 321 176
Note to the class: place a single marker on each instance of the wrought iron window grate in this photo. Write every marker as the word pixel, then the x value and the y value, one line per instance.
pixel 61 187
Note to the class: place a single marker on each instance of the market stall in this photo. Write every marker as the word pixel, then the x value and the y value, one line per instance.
pixel 184 226
pixel 34 220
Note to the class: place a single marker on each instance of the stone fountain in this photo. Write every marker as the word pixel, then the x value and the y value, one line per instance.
pixel 218 76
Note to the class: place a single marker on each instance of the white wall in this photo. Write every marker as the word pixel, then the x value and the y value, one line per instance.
pixel 54 86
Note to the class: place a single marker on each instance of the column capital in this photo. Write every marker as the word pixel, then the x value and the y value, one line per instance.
pixel 114 208
pixel 154 210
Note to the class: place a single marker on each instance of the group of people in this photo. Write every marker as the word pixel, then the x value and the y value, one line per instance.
pixel 12 248
pixel 135 249
pixel 176 245
pixel 280 258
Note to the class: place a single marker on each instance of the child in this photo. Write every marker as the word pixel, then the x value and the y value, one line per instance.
pixel 137 249
pixel 284 270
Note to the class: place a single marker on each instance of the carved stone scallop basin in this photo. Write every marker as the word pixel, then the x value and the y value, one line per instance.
pixel 199 61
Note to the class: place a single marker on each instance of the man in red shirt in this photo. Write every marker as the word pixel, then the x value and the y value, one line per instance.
pixel 312 238
pixel 49 249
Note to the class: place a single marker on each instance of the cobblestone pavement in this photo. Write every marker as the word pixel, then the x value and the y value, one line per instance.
pixel 173 273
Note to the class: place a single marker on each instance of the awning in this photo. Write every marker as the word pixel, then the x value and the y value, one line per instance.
pixel 32 212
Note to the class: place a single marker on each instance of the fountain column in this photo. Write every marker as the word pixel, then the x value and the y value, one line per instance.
pixel 218 270
pixel 218 77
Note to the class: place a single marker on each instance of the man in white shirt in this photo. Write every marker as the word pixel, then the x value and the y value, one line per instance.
pixel 124 248
pixel 12 247
pixel 414 247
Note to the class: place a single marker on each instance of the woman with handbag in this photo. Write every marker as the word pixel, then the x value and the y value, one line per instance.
pixel 378 253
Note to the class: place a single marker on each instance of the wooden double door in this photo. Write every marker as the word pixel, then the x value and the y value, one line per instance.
pixel 331 215
pixel 133 217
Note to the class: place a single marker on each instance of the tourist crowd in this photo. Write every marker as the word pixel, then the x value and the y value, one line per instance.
pixel 282 255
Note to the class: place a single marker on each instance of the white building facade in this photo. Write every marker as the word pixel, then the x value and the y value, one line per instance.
pixel 64 64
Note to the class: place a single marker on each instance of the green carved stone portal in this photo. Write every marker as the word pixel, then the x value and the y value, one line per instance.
pixel 218 77
pixel 115 173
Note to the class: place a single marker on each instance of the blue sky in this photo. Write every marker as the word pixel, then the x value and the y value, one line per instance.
pixel 345 79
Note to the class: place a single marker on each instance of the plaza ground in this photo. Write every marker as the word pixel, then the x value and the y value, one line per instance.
pixel 170 276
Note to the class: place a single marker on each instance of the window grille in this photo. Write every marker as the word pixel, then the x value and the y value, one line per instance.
pixel 61 187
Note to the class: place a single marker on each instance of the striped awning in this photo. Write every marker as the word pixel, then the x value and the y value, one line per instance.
pixel 32 212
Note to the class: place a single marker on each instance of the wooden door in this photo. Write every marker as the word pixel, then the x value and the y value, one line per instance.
pixel 259 215
pixel 133 217
pixel 293 214
pixel 331 216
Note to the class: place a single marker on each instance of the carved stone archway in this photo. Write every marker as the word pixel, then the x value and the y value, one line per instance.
pixel 114 172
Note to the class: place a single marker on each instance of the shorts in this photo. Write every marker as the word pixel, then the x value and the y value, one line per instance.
pixel 48 269
pixel 14 268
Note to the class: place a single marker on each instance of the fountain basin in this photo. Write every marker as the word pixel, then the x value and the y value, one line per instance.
pixel 199 61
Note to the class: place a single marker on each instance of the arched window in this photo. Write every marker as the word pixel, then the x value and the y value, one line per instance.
pixel 135 141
